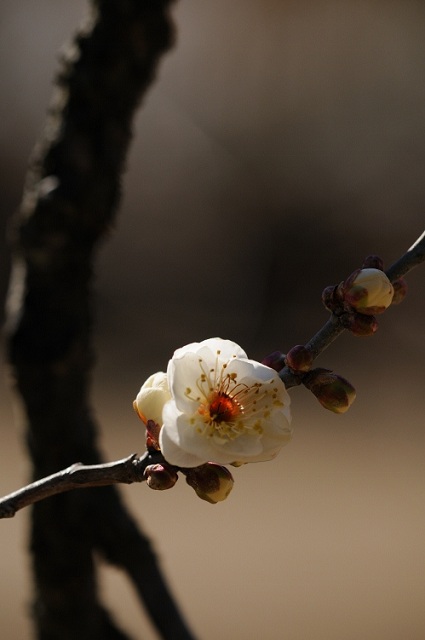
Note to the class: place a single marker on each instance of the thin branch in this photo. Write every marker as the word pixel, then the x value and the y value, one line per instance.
pixel 333 327
pixel 411 259
pixel 77 476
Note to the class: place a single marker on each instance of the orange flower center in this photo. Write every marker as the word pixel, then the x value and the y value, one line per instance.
pixel 229 408
pixel 223 408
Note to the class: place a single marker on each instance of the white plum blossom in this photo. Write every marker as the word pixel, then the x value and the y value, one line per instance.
pixel 224 407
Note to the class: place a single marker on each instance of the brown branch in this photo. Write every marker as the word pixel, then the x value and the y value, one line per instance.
pixel 77 476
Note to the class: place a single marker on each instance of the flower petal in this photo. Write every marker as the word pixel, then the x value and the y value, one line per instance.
pixel 227 349
pixel 184 374
pixel 180 443
pixel 174 454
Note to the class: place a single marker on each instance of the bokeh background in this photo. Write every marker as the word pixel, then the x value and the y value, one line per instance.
pixel 282 143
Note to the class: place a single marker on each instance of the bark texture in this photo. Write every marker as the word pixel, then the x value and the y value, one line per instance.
pixel 69 203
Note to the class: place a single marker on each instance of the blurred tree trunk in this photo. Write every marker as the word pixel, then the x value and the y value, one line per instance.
pixel 69 203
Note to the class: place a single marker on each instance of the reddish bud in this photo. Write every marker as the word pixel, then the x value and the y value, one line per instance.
pixel 160 476
pixel 330 298
pixel 275 360
pixel 360 324
pixel 299 358
pixel 152 435
pixel 333 391
pixel 373 262
pixel 400 290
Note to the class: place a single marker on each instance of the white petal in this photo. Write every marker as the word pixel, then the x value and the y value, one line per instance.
pixel 188 348
pixel 227 348
pixel 270 454
pixel 257 372
pixel 180 442
pixel 277 425
pixel 184 375
pixel 274 440
pixel 174 454
pixel 245 446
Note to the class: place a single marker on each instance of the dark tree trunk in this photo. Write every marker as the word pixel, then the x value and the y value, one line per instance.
pixel 69 203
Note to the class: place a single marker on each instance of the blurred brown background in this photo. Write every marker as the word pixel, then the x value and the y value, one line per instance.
pixel 282 143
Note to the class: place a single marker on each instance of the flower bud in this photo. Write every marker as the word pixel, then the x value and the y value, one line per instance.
pixel 368 291
pixel 333 391
pixel 373 262
pixel 149 404
pixel 151 398
pixel 400 290
pixel 160 476
pixel 299 358
pixel 360 324
pixel 152 435
pixel 211 482
pixel 275 360
pixel 330 297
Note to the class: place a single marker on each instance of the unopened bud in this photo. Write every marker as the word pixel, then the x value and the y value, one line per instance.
pixel 400 290
pixel 330 297
pixel 333 391
pixel 160 476
pixel 373 262
pixel 368 291
pixel 299 358
pixel 151 398
pixel 275 360
pixel 360 324
pixel 212 482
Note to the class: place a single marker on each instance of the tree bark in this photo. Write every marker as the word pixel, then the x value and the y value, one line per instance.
pixel 69 203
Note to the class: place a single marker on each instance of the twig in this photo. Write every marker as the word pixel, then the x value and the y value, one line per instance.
pixel 333 326
pixel 77 476
pixel 411 259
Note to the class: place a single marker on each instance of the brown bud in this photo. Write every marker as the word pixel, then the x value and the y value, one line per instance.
pixel 330 297
pixel 360 324
pixel 333 391
pixel 160 476
pixel 212 482
pixel 275 360
pixel 299 358
pixel 152 435
pixel 373 262
pixel 400 290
